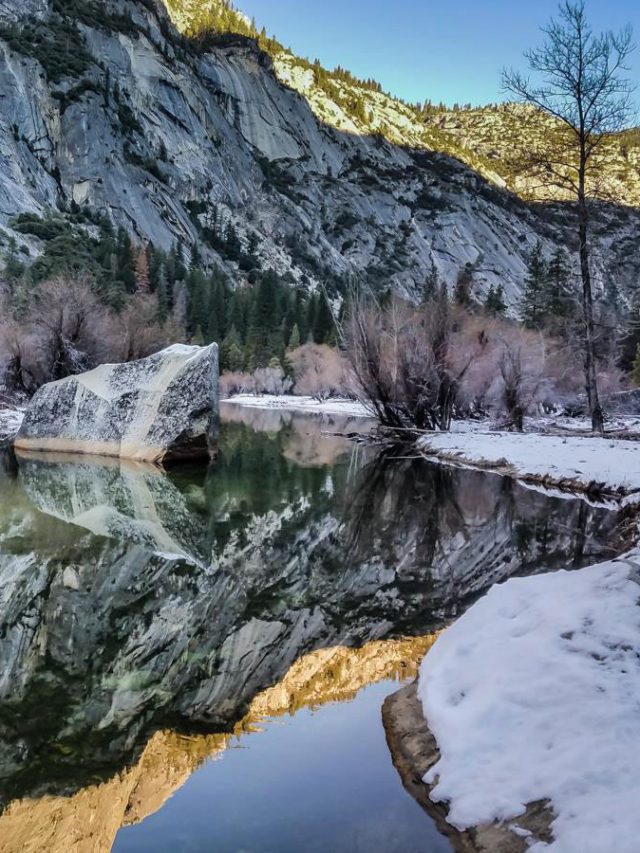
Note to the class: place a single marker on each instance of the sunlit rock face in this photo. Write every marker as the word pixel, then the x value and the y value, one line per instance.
pixel 320 196
pixel 157 409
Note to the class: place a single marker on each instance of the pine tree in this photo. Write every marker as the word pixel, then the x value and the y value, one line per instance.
pixel 162 294
pixel 559 301
pixel 216 324
pixel 263 321
pixel 294 339
pixel 198 312
pixel 532 307
pixel 464 285
pixel 431 285
pixel 126 264
pixel 322 321
pixel 494 302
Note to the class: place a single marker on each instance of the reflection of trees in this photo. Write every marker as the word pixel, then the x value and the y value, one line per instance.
pixel 396 500
pixel 458 532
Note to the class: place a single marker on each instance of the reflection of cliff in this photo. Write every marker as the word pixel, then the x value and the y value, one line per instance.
pixel 107 640
pixel 88 821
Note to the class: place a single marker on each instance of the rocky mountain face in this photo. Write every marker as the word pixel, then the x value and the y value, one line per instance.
pixel 106 107
pixel 132 602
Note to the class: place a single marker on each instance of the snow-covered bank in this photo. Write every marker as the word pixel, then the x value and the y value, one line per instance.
pixel 533 695
pixel 609 464
pixel 334 406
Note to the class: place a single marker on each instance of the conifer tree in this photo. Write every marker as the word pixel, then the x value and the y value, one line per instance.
pixel 431 285
pixel 533 297
pixel 162 294
pixel 322 321
pixel 494 302
pixel 464 284
pixel 262 321
pixel 560 301
pixel 294 339
pixel 198 312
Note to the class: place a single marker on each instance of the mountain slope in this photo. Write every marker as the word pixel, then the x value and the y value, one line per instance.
pixel 484 138
pixel 106 107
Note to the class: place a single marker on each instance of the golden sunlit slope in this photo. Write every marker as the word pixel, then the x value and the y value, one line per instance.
pixel 88 821
pixel 485 138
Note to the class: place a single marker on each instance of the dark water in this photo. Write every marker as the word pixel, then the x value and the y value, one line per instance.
pixel 144 617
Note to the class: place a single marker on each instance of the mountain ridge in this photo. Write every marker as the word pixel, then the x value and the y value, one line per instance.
pixel 170 137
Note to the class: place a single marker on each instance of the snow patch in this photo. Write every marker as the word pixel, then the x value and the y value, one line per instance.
pixel 613 462
pixel 534 694
pixel 334 406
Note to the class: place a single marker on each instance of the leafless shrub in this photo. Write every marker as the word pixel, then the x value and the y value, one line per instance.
pixel 140 331
pixel 408 362
pixel 318 370
pixel 265 380
pixel 272 380
pixel 68 322
pixel 18 360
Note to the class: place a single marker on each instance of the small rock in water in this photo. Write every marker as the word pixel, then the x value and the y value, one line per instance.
pixel 70 578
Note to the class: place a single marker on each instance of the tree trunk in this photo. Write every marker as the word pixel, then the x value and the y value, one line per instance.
pixel 591 383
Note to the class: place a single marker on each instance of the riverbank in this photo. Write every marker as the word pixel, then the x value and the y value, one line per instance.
pixel 601 467
pixel 522 730
pixel 332 406
pixel 531 697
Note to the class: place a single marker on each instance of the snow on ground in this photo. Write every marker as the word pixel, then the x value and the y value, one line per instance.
pixel 613 462
pixel 534 694
pixel 10 420
pixel 334 406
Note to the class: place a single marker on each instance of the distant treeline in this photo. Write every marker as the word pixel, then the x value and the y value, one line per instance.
pixel 254 322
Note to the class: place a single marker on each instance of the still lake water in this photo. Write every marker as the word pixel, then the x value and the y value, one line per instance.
pixel 196 661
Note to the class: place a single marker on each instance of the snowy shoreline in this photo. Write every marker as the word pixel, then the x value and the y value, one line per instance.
pixel 605 466
pixel 332 406
pixel 530 698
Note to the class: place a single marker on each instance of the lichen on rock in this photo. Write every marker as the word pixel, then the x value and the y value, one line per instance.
pixel 161 408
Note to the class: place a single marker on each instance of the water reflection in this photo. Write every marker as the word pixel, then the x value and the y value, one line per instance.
pixel 132 603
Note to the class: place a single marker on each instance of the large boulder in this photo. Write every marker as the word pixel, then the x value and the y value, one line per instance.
pixel 162 408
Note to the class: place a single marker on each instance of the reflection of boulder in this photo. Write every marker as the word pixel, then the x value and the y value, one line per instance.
pixel 160 408
pixel 121 500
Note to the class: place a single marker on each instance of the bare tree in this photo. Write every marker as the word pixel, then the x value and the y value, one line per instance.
pixel 140 330
pixel 67 317
pixel 580 81
pixel 18 356
pixel 407 362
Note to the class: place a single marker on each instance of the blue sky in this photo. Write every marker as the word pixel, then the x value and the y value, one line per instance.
pixel 450 50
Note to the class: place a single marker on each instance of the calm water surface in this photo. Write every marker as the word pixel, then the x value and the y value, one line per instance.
pixel 197 660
